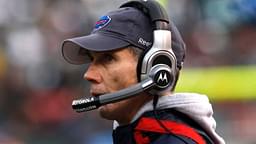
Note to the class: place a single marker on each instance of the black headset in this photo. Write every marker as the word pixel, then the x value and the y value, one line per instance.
pixel 159 61
pixel 157 66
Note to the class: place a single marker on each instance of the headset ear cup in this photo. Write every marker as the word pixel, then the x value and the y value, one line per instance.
pixel 167 65
pixel 163 77
pixel 161 67
pixel 139 65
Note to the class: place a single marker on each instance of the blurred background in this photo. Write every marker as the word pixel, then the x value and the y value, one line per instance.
pixel 37 86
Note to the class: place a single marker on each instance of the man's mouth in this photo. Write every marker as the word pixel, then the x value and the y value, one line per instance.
pixel 97 94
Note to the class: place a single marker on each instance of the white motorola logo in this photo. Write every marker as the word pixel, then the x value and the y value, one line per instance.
pixel 162 78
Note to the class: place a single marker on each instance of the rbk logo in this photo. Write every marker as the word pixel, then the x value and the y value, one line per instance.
pixel 162 77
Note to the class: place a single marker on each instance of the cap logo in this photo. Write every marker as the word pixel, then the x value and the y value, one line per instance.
pixel 143 42
pixel 104 20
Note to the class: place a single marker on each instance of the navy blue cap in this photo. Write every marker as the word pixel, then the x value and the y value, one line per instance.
pixel 115 30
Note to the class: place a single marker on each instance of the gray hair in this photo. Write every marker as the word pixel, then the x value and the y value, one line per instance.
pixel 135 51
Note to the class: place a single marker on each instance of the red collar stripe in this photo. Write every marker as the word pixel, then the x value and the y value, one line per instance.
pixel 151 125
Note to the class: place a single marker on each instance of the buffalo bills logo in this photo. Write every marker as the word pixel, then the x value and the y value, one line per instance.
pixel 104 20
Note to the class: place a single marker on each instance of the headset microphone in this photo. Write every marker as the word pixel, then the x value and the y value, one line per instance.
pixel 92 103
pixel 159 78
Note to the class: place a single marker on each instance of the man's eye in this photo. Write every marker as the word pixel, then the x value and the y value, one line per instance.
pixel 90 57
pixel 108 57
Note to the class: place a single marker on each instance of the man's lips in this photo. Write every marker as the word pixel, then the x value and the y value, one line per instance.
pixel 97 94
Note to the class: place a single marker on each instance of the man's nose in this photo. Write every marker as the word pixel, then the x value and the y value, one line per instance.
pixel 92 74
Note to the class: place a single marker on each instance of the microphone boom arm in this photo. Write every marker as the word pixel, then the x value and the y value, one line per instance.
pixel 91 103
pixel 128 92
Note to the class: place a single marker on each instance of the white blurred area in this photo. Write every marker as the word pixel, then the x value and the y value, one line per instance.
pixel 37 85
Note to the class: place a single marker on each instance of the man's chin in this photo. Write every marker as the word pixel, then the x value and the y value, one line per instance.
pixel 107 108
pixel 105 111
pixel 104 107
pixel 112 111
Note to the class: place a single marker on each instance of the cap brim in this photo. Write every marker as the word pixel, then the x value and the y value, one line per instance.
pixel 75 50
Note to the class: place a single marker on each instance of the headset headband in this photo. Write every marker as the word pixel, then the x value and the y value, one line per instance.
pixel 154 10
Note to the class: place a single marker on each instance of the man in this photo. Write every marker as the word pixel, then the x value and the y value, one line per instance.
pixel 113 52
